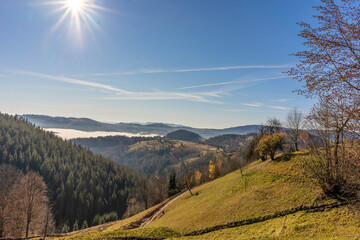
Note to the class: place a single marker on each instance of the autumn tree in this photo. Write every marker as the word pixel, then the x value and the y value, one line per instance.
pixel 294 122
pixel 212 170
pixel 270 143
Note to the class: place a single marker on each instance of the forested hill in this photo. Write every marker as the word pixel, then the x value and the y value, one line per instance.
pixel 184 135
pixel 81 184
pixel 230 142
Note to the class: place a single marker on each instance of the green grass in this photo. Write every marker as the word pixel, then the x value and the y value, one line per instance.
pixel 340 223
pixel 265 188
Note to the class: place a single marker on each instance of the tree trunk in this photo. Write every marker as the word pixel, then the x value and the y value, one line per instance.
pixel 1 228
pixel 46 221
pixel 190 191
pixel 272 156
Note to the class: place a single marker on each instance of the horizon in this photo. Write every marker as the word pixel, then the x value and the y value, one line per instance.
pixel 140 123
pixel 204 65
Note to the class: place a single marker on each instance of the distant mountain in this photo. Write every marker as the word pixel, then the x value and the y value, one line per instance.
pixel 86 124
pixel 184 135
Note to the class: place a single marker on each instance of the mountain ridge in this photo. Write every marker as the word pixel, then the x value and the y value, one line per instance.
pixel 87 124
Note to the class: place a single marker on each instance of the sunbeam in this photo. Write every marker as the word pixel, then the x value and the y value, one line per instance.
pixel 77 15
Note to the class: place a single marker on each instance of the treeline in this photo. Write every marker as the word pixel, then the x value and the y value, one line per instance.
pixel 80 184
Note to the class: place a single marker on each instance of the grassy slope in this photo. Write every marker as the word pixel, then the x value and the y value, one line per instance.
pixel 265 188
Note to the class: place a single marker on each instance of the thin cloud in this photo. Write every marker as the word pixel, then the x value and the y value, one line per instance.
pixel 233 82
pixel 122 94
pixel 196 97
pixel 278 108
pixel 252 104
pixel 283 100
pixel 152 71
pixel 73 81
pixel 258 105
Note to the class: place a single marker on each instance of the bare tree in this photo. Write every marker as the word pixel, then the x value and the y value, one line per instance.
pixel 189 183
pixel 330 65
pixel 9 176
pixel 49 223
pixel 144 191
pixel 272 125
pixel 330 69
pixel 35 197
pixel 27 209
pixel 335 153
pixel 159 190
pixel 294 123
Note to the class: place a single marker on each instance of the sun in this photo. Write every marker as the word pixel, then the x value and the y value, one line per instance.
pixel 78 16
pixel 76 6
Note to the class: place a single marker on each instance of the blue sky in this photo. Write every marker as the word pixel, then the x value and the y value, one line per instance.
pixel 203 63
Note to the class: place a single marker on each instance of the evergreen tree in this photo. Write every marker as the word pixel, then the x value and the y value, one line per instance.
pixel 172 186
pixel 65 228
pixel 75 226
pixel 84 225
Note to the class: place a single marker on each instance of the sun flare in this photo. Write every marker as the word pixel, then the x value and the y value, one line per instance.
pixel 75 6
pixel 78 16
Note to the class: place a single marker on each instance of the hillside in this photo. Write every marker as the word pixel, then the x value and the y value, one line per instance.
pixel 184 135
pixel 85 124
pixel 150 155
pixel 81 185
pixel 230 142
pixel 272 200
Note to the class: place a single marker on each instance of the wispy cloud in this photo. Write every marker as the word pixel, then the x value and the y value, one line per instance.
pixel 152 71
pixel 262 106
pixel 72 80
pixel 252 104
pixel 282 100
pixel 278 108
pixel 121 94
pixel 234 82
pixel 163 95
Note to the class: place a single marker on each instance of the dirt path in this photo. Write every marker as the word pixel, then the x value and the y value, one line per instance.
pixel 154 214
pixel 159 213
